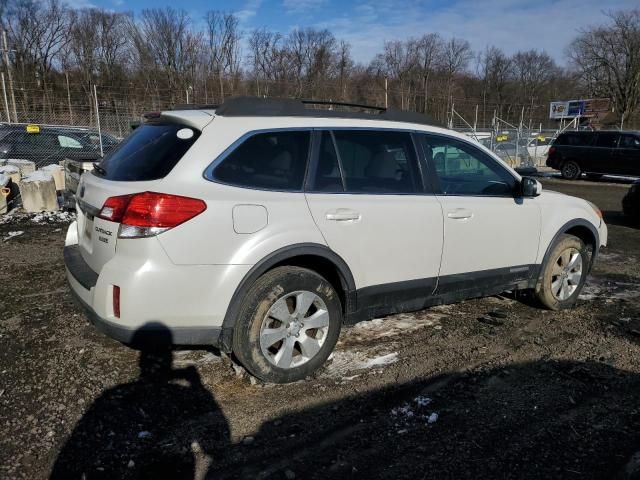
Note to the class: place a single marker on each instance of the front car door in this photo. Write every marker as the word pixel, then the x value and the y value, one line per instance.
pixel 491 236
pixel 627 155
pixel 366 195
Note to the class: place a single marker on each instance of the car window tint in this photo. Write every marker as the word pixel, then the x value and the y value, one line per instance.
pixel 629 141
pixel 149 153
pixel 463 169
pixel 607 140
pixel 327 176
pixel 68 142
pixel 377 161
pixel 272 160
pixel 574 139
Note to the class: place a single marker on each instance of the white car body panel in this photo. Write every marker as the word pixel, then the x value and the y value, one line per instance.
pixel 187 276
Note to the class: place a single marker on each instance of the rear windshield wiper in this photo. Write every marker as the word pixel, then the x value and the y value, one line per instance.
pixel 101 170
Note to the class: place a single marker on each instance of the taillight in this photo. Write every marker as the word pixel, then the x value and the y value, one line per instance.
pixel 552 150
pixel 147 214
pixel 114 208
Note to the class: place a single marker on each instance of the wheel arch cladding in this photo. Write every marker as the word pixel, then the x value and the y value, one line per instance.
pixel 316 257
pixel 580 228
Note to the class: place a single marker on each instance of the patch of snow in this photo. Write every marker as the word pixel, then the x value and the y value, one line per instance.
pixel 394 325
pixel 9 169
pixel 433 418
pixel 347 361
pixel 38 176
pixel 609 290
pixel 4 180
pixel 12 235
pixel 53 167
pixel 408 415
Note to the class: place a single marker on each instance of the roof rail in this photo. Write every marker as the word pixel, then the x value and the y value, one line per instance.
pixel 195 106
pixel 289 107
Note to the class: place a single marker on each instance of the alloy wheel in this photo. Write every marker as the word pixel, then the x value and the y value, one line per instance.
pixel 294 329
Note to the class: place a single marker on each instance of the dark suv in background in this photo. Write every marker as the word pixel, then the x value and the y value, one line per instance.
pixel 595 153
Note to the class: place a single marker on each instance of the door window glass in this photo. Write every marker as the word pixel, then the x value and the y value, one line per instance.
pixel 377 161
pixel 629 141
pixel 68 142
pixel 607 140
pixel 463 169
pixel 327 177
pixel 272 160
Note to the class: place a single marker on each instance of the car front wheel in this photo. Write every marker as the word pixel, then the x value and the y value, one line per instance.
pixel 288 325
pixel 564 273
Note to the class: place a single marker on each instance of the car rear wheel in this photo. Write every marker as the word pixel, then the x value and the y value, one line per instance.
pixel 288 325
pixel 570 170
pixel 564 273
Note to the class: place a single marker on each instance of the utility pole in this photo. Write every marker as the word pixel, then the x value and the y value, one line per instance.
pixel 95 95
pixel 6 103
pixel 9 75
pixel 66 74
pixel 386 92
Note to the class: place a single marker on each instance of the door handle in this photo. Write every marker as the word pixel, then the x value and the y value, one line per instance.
pixel 342 215
pixel 460 214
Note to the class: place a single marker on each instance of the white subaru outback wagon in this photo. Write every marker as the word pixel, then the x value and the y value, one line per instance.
pixel 262 225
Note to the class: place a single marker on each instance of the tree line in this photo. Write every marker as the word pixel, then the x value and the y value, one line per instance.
pixel 55 55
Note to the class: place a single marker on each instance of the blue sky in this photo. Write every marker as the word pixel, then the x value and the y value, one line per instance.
pixel 509 24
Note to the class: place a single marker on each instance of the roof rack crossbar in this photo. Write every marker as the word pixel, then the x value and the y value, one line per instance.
pixel 343 104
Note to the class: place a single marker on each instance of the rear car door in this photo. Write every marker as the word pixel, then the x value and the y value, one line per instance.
pixel 627 155
pixel 366 197
pixel 490 235
pixel 601 157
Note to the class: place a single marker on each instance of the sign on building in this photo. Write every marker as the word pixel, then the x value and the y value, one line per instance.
pixel 591 107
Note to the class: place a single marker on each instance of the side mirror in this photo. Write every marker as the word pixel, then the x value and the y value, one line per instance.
pixel 530 187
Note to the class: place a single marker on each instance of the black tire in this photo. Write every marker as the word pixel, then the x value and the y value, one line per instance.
pixel 570 170
pixel 280 284
pixel 594 176
pixel 545 291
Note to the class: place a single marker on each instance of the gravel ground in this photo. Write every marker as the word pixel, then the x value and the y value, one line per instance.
pixel 490 388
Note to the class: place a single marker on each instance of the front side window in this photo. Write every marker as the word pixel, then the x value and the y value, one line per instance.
pixel 629 141
pixel 463 169
pixel 379 161
pixel 68 142
pixel 270 161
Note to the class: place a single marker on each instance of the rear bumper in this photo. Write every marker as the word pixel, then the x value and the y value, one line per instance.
pixel 82 282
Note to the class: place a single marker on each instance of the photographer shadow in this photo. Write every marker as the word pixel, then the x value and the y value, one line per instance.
pixel 164 424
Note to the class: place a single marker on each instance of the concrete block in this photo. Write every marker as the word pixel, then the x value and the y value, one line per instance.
pixel 26 166
pixel 5 191
pixel 38 192
pixel 11 171
pixel 57 172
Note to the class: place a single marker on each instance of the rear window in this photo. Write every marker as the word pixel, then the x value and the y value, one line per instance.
pixel 149 153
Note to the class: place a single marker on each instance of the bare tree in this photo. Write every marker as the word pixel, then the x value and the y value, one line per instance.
pixel 223 44
pixel 608 59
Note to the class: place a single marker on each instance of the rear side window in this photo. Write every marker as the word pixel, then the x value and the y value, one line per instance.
pixel 607 140
pixel 149 153
pixel 270 161
pixel 377 161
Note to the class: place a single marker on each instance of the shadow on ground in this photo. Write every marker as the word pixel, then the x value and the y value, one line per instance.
pixel 544 419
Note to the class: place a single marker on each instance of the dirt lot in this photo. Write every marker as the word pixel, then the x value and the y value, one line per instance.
pixel 491 388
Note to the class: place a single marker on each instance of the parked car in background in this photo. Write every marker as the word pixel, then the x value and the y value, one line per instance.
pixel 508 152
pixel 46 144
pixel 262 225
pixel 596 153
pixel 631 202
pixel 538 146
